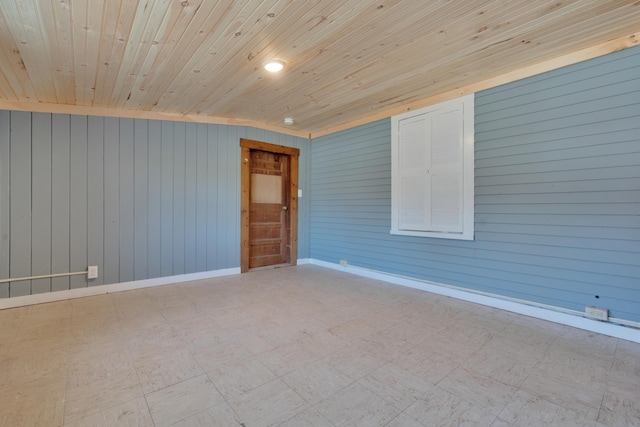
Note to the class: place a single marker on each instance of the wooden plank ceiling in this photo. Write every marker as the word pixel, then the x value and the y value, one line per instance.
pixel 347 62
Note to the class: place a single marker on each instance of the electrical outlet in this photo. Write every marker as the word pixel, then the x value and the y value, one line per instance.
pixel 596 313
pixel 343 262
pixel 92 272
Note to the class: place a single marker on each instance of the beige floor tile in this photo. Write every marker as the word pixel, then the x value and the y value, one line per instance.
pixel 134 413
pixel 308 418
pixel 355 361
pixel 357 406
pixel 396 385
pixel 316 381
pixel 95 363
pixel 94 305
pixel 502 365
pixel 156 338
pixel 21 365
pixel 403 420
pixel 287 358
pixel 164 368
pixel 486 393
pixel 182 400
pixel 430 365
pixel 566 390
pixel 528 410
pixel 620 407
pixel 268 405
pixel 219 415
pixel 210 355
pixel 237 377
pixel 321 343
pixel 442 408
pixel 103 393
pixel 38 402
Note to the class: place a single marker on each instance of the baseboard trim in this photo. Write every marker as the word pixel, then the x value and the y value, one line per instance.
pixel 540 311
pixel 115 287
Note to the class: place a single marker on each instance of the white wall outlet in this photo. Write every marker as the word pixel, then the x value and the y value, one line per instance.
pixel 597 313
pixel 299 192
pixel 92 272
pixel 343 262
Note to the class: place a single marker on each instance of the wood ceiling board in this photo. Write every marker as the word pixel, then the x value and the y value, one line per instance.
pixel 346 61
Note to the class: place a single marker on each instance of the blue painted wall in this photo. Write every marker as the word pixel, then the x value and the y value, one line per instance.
pixel 138 198
pixel 557 194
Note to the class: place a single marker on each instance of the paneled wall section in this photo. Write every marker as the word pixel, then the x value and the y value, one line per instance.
pixel 557 194
pixel 139 198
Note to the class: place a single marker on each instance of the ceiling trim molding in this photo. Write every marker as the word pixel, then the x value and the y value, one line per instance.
pixel 87 110
pixel 532 70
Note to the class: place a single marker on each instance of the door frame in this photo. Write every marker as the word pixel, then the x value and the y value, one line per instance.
pixel 246 145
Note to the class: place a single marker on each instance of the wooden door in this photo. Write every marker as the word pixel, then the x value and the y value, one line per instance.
pixel 269 205
pixel 269 209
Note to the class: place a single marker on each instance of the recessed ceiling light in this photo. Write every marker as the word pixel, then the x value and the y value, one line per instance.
pixel 273 65
pixel 288 121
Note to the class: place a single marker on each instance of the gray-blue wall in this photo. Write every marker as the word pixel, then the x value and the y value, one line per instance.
pixel 139 198
pixel 557 194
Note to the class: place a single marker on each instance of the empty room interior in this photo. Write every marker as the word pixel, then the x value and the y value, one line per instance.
pixel 257 213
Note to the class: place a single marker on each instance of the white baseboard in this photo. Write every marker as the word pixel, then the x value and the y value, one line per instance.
pixel 539 311
pixel 116 287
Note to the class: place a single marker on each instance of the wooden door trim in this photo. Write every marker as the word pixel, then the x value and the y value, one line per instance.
pixel 245 199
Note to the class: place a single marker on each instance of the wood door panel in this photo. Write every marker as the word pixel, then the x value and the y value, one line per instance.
pixel 269 204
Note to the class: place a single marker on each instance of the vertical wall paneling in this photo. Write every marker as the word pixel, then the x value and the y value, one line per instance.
pixel 141 202
pixel 178 197
pixel 212 197
pixel 127 189
pixel 78 200
pixel 201 197
pixel 20 245
pixel 167 207
pixel 154 194
pixel 138 198
pixel 111 200
pixel 223 193
pixel 232 250
pixel 5 225
pixel 60 216
pixel 41 202
pixel 191 191
pixel 95 197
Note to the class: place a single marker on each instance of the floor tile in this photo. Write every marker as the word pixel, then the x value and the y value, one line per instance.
pixel 403 420
pixel 38 402
pixel 164 368
pixel 287 358
pixel 182 400
pixel 446 409
pixel 396 385
pixel 357 406
pixel 270 404
pixel 528 410
pixel 233 378
pixel 218 415
pixel 486 393
pixel 308 418
pixel 316 381
pixel 134 413
pixel 103 393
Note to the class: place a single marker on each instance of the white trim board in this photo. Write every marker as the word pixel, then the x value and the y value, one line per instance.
pixel 553 314
pixel 116 287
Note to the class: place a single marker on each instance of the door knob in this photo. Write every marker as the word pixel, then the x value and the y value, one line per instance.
pixel 284 208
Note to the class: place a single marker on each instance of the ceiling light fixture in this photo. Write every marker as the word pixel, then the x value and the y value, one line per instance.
pixel 288 121
pixel 273 65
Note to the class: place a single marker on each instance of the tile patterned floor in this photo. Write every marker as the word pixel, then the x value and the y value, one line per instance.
pixel 305 346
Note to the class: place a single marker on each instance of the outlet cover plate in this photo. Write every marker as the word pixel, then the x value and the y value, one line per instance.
pixel 597 313
pixel 92 272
